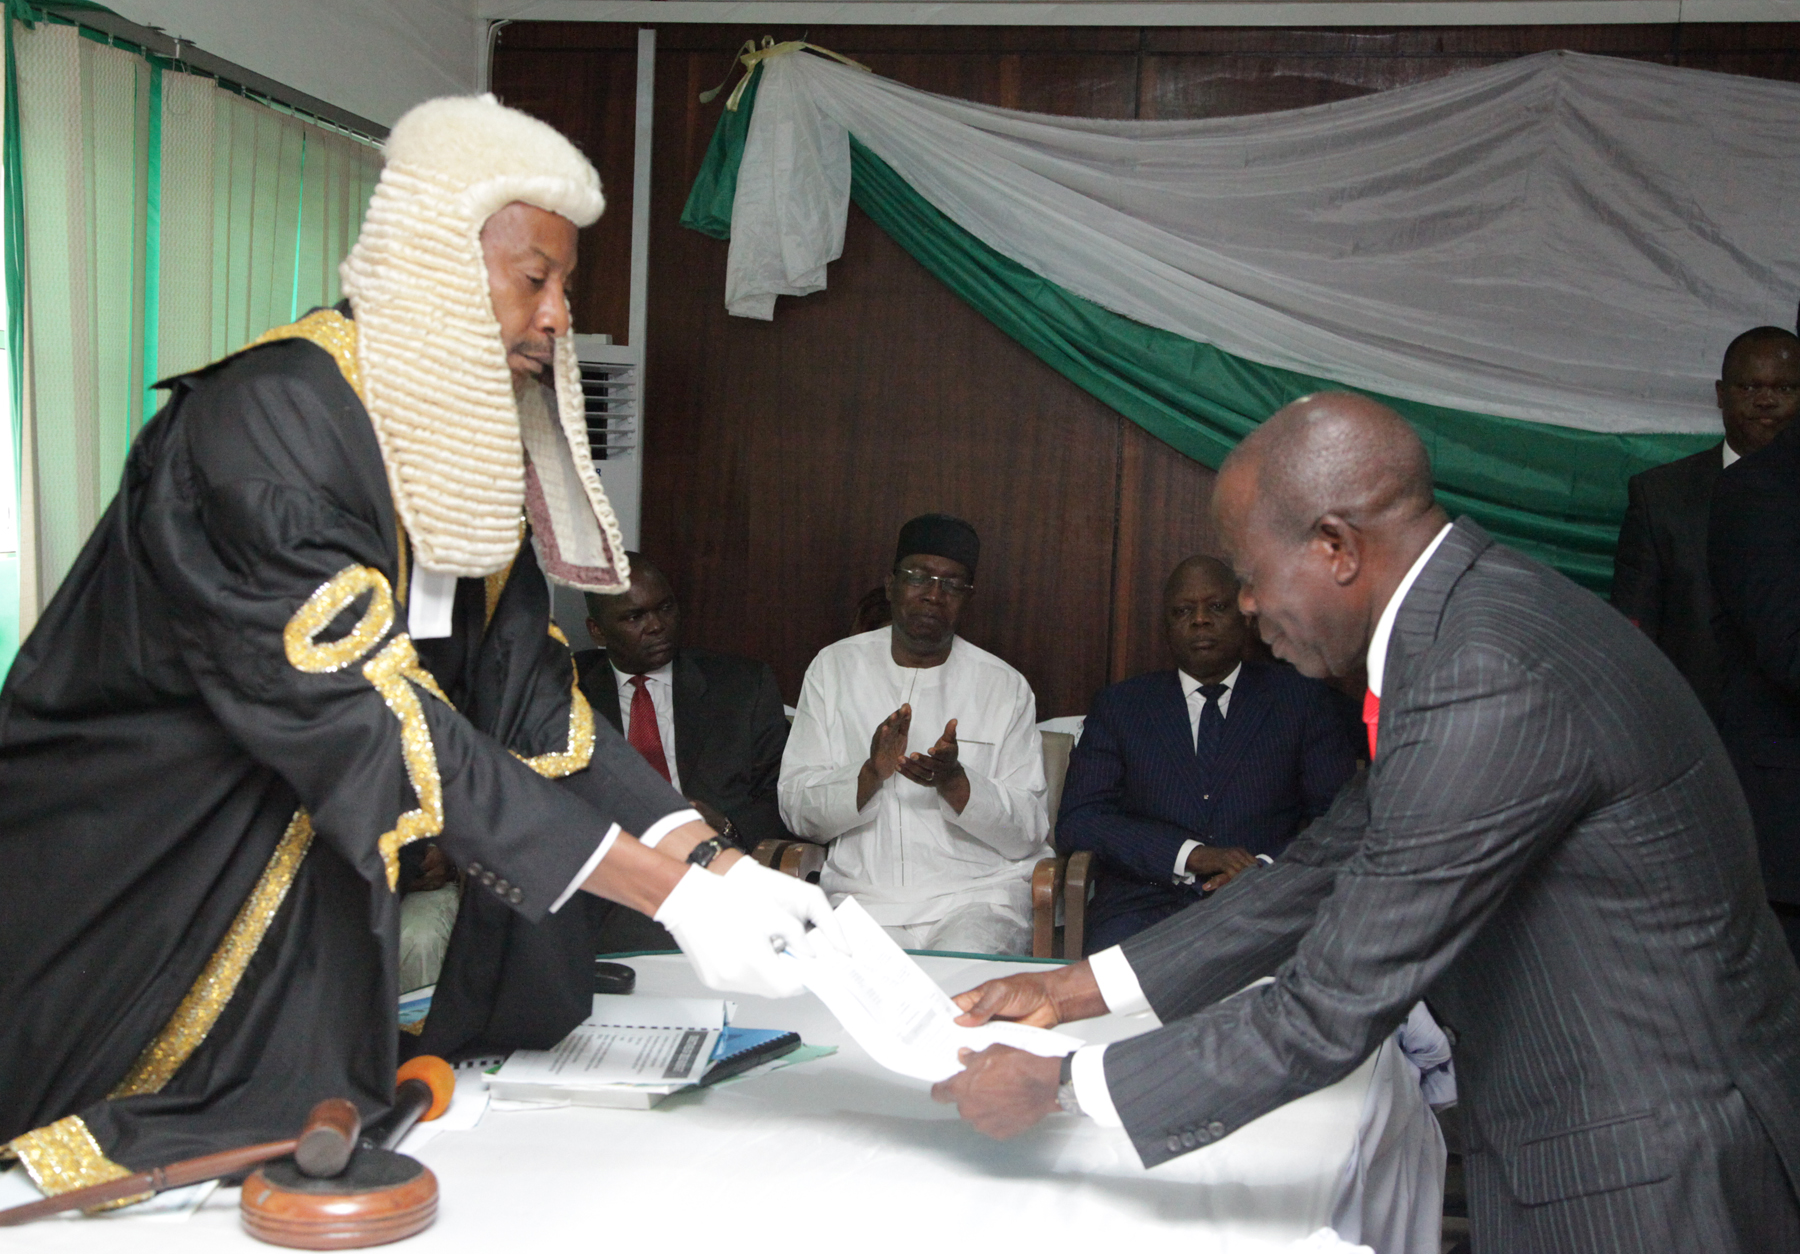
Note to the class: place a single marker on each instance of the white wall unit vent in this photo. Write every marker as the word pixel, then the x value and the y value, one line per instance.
pixel 612 388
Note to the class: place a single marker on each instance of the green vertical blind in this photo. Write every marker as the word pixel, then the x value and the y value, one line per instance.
pixel 156 222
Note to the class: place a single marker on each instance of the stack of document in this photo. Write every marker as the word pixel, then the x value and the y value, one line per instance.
pixel 631 1052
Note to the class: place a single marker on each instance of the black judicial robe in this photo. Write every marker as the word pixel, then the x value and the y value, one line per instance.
pixel 212 747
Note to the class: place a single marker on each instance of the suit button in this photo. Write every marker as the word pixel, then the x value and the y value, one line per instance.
pixel 1187 1138
pixel 1174 1144
pixel 500 886
pixel 1206 796
pixel 487 877
pixel 1215 1129
pixel 515 894
pixel 475 869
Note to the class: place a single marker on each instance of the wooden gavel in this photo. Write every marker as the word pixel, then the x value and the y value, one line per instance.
pixel 323 1149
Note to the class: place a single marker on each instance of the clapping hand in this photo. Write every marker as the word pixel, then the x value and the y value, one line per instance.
pixel 887 750
pixel 940 769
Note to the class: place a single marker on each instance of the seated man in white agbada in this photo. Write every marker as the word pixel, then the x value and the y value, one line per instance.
pixel 916 756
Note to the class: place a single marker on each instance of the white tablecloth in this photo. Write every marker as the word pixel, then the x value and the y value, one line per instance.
pixel 838 1153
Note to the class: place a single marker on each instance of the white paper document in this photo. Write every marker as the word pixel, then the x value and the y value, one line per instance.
pixel 897 1013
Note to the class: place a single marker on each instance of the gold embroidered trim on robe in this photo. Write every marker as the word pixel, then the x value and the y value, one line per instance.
pixel 331 331
pixel 389 671
pixel 63 1156
pixel 219 979
pixel 332 598
pixel 581 729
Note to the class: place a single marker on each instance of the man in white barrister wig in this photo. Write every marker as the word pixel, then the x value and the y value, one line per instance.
pixel 308 632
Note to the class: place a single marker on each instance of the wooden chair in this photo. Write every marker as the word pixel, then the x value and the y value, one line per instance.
pixel 799 858
pixel 1059 881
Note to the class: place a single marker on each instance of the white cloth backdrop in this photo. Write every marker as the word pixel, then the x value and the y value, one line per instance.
pixel 1561 238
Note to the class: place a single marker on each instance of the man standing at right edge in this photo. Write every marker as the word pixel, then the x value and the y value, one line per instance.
pixel 1549 844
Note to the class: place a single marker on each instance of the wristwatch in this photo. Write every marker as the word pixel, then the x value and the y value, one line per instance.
pixel 1065 1088
pixel 702 854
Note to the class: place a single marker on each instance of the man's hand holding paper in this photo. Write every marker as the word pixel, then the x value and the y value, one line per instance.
pixel 894 1010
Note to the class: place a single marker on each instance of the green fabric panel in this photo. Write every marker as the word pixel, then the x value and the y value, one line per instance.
pixel 1553 492
pixel 708 208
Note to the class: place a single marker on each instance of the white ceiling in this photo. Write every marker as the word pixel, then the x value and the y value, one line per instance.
pixel 372 57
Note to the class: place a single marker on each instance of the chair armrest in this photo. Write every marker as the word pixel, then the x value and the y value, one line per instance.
pixel 1075 897
pixel 1046 884
pixel 768 852
pixel 801 859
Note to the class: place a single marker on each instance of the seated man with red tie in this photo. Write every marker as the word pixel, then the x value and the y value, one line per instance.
pixel 712 724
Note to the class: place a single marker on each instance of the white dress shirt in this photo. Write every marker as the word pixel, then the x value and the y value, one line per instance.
pixel 661 687
pixel 1118 983
pixel 1196 705
pixel 1730 455
pixel 906 856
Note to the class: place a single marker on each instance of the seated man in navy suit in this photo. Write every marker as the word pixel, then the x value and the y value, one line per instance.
pixel 1184 778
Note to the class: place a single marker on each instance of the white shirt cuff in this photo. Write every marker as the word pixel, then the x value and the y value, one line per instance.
pixel 587 868
pixel 1182 874
pixel 1118 983
pixel 1265 859
pixel 1087 1072
pixel 666 824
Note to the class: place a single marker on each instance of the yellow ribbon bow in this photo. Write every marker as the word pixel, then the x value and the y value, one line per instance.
pixel 750 56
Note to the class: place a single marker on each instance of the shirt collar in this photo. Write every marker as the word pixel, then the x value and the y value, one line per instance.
pixel 664 674
pixel 1730 454
pixel 1384 626
pixel 1190 685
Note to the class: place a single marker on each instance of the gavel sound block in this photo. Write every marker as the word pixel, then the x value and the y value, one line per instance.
pixel 380 1197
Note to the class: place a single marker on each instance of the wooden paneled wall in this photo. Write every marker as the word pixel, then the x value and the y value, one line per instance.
pixel 781 457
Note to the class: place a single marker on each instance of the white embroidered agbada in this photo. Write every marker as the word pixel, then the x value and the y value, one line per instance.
pixel 907 856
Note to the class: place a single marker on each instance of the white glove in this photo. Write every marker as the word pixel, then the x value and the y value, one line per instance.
pixel 797 897
pixel 734 937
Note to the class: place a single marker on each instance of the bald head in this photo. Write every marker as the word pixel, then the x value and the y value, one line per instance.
pixel 1323 509
pixel 1336 453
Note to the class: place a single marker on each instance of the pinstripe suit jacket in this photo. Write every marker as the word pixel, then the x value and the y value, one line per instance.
pixel 1551 846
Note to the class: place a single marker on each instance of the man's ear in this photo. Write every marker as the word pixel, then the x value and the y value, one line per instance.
pixel 594 633
pixel 1340 545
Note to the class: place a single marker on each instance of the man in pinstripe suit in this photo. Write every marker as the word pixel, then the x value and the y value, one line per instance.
pixel 1549 844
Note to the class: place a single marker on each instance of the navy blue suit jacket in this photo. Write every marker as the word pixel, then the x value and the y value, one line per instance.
pixel 1134 791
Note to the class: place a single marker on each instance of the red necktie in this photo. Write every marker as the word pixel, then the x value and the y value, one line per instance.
pixel 646 736
pixel 1371 717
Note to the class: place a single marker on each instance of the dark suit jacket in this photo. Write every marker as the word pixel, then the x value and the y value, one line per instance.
pixel 1755 551
pixel 1659 574
pixel 1135 793
pixel 1551 845
pixel 730 729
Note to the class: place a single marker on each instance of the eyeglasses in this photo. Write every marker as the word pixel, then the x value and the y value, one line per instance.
pixel 949 586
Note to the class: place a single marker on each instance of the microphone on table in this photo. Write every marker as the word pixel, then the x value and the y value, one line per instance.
pixel 422 1091
pixel 323 1148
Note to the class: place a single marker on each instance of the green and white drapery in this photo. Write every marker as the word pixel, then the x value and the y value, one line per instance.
pixel 157 221
pixel 1538 263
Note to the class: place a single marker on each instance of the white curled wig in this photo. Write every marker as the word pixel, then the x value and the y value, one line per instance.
pixel 464 453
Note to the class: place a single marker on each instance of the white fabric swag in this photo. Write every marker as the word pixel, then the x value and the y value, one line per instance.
pixel 1563 239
